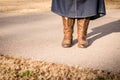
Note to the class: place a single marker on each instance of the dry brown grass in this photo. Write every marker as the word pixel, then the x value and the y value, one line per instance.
pixel 30 6
pixel 24 6
pixel 113 4
pixel 12 68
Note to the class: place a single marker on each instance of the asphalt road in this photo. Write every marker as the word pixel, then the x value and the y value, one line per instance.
pixel 38 36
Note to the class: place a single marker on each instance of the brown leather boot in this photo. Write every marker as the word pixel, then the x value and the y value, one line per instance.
pixel 68 24
pixel 82 26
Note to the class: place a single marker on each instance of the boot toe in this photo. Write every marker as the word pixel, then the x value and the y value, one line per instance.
pixel 84 45
pixel 66 45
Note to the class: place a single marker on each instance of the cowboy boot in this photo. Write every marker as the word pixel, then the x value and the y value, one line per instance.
pixel 82 26
pixel 68 24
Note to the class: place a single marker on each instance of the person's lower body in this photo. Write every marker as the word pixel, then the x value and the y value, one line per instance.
pixel 83 11
pixel 82 26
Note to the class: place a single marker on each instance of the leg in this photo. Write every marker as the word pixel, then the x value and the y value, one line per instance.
pixel 82 26
pixel 68 24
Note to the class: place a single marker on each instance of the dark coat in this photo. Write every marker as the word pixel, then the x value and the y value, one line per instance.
pixel 79 8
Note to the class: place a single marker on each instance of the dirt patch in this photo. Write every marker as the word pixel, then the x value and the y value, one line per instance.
pixel 12 68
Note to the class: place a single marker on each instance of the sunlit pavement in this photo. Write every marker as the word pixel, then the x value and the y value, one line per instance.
pixel 38 36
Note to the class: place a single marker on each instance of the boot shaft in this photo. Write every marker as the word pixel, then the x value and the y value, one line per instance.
pixel 82 26
pixel 68 24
